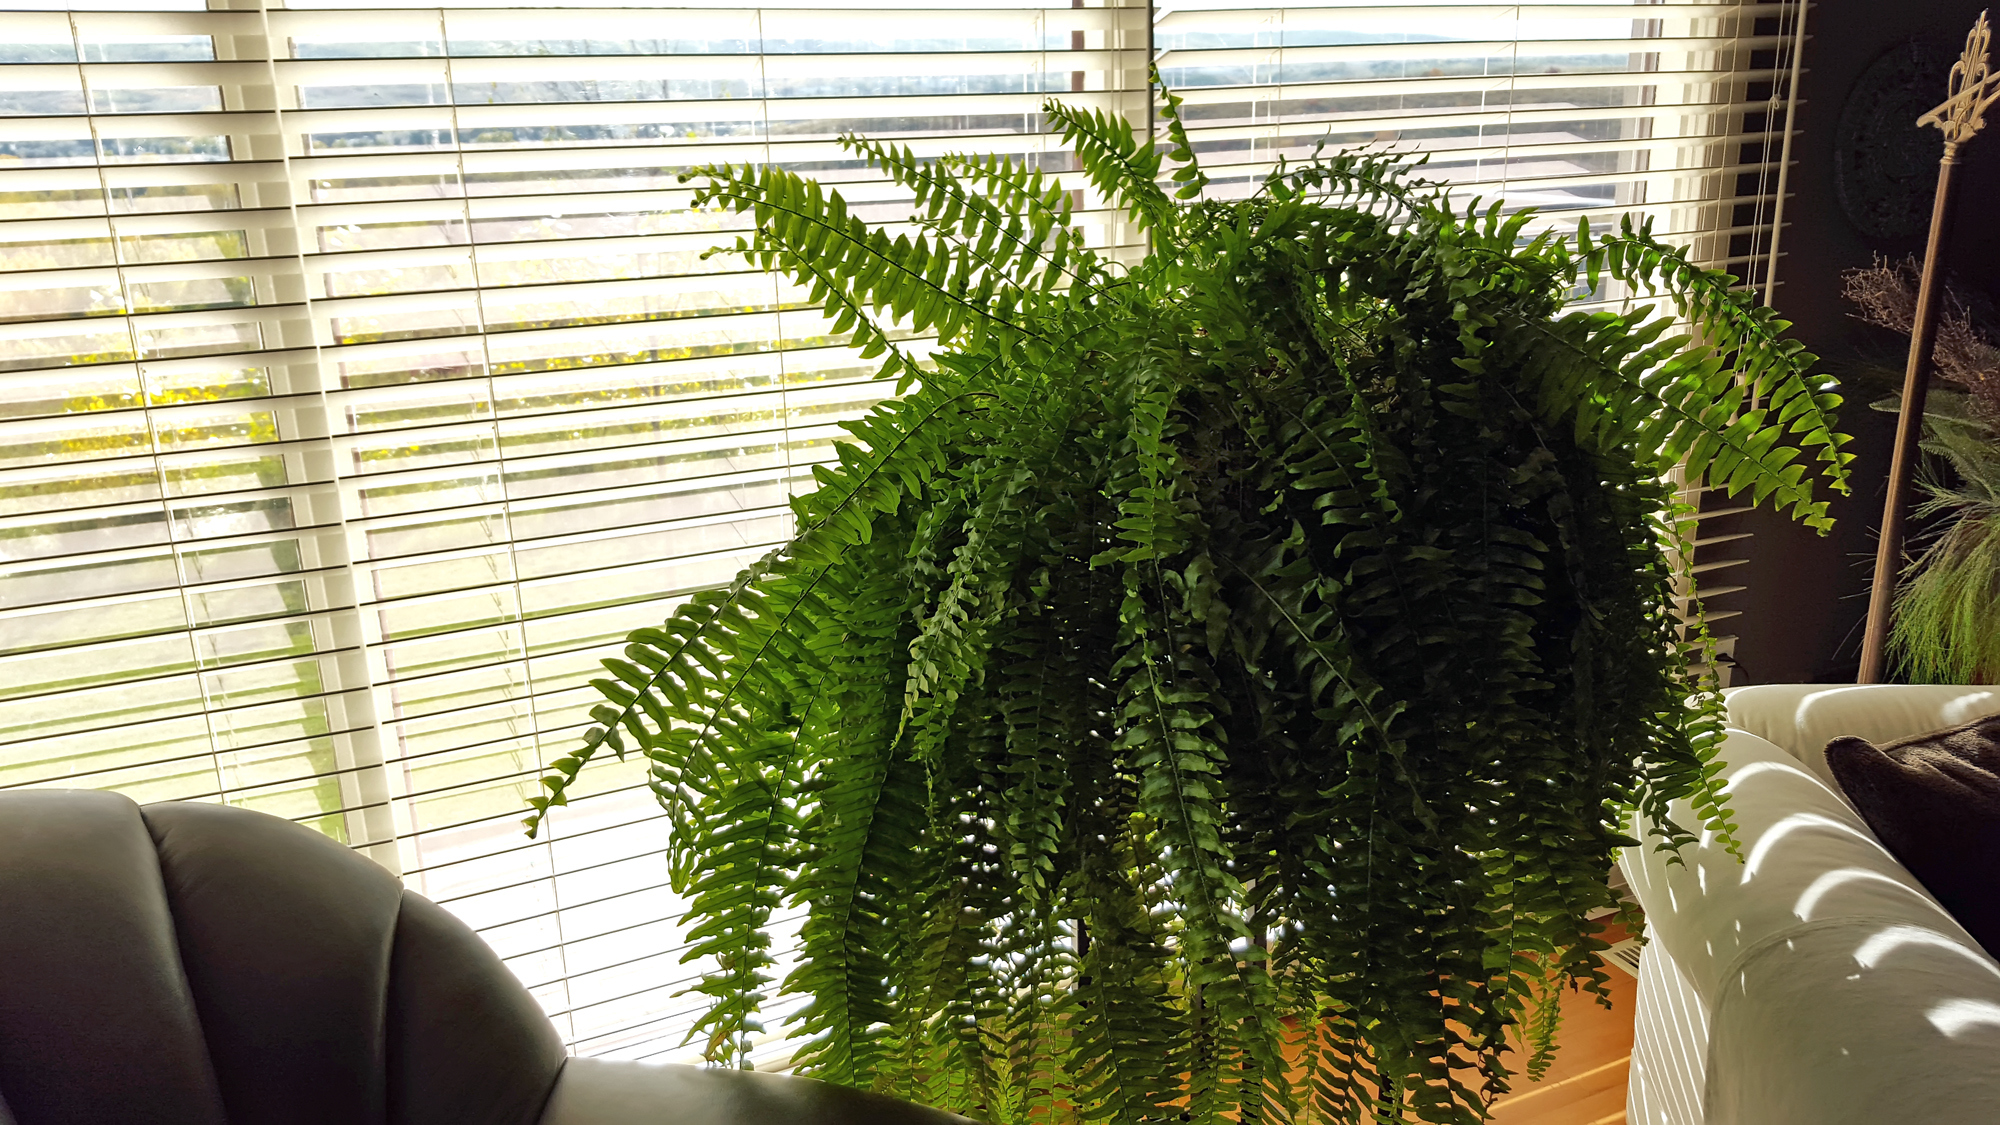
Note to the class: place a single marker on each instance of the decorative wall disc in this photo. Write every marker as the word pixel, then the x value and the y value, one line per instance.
pixel 1885 166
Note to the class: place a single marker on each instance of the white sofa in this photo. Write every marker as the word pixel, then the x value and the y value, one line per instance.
pixel 1815 982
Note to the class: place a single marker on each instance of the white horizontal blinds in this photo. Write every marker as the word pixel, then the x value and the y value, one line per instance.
pixel 1573 108
pixel 176 608
pixel 365 382
pixel 556 421
pixel 1721 548
pixel 361 378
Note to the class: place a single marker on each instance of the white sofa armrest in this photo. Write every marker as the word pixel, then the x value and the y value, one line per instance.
pixel 1835 988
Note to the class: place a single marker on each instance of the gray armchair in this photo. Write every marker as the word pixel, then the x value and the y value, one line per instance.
pixel 184 964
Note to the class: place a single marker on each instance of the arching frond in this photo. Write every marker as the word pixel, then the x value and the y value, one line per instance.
pixel 1187 167
pixel 1120 163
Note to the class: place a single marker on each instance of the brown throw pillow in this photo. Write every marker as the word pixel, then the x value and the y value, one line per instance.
pixel 1934 802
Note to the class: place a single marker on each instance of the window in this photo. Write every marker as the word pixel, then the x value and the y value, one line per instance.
pixel 362 376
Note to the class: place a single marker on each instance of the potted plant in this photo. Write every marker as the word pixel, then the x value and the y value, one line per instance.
pixel 1943 630
pixel 1211 690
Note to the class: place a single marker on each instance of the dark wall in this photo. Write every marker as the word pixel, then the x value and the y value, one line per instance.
pixel 1806 594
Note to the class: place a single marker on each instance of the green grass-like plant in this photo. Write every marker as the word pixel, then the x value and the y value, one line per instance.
pixel 1211 691
pixel 1946 628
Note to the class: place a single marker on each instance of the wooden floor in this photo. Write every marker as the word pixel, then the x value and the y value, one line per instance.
pixel 1586 1084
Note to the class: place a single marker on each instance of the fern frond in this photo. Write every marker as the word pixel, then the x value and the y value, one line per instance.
pixel 806 231
pixel 1763 390
pixel 1024 236
pixel 1372 182
pixel 1681 401
pixel 862 831
pixel 1125 168
pixel 1187 168
pixel 950 649
pixel 678 669
pixel 752 830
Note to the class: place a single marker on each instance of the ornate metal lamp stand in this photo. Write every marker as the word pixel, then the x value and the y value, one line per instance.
pixel 1960 118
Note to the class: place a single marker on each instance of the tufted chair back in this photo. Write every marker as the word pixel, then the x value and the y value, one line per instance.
pixel 187 964
pixel 221 967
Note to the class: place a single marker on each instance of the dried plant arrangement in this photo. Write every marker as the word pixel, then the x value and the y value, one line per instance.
pixel 1885 295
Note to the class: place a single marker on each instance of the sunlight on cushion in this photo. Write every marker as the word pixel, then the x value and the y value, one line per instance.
pixel 1877 949
pixel 1793 823
pixel 1825 884
pixel 1955 1017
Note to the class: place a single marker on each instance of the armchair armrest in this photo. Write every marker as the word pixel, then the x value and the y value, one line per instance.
pixel 602 1092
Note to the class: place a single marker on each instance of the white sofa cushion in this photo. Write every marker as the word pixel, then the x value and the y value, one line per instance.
pixel 1803 718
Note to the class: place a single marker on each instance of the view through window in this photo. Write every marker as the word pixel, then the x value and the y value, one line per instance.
pixel 362 376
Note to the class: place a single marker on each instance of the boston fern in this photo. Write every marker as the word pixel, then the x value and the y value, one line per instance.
pixel 1212 689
